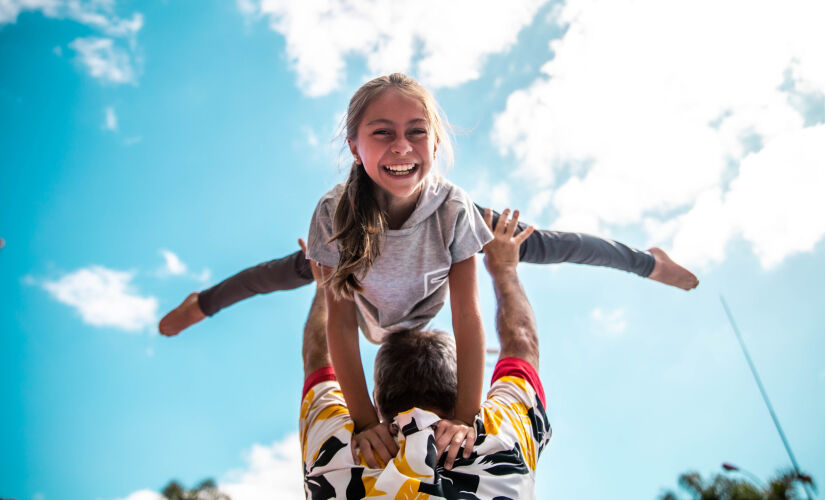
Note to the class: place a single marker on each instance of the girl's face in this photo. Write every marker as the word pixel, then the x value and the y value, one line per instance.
pixel 395 144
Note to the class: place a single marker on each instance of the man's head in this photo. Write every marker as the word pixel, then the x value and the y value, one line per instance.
pixel 416 369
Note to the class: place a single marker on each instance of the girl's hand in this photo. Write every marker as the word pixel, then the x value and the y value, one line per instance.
pixel 376 439
pixel 452 434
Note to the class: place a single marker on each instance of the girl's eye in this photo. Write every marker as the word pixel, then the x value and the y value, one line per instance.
pixel 418 131
pixel 381 132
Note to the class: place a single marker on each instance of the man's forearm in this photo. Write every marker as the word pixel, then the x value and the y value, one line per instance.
pixel 515 323
pixel 315 351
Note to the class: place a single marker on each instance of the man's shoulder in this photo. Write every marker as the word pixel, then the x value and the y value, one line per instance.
pixel 520 374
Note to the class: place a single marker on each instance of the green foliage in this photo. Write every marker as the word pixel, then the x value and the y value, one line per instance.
pixel 786 485
pixel 206 490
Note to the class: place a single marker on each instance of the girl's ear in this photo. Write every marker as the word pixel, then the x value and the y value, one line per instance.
pixel 354 150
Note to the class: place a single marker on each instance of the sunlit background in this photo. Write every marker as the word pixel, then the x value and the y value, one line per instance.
pixel 152 148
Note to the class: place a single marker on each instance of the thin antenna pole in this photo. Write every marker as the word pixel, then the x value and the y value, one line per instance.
pixel 764 393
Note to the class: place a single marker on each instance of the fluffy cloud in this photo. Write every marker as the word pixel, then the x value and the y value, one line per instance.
pixel 686 119
pixel 112 57
pixel 97 14
pixel 10 9
pixel 272 471
pixel 144 495
pixel 174 265
pixel 105 297
pixel 104 59
pixel 609 323
pixel 110 118
pixel 443 43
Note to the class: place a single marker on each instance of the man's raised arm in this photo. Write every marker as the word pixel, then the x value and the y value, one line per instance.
pixel 315 351
pixel 515 323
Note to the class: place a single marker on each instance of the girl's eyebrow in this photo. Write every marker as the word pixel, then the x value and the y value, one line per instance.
pixel 390 122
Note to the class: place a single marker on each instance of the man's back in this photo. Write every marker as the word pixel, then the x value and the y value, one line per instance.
pixel 512 430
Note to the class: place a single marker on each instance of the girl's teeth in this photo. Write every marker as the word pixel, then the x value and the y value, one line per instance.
pixel 400 169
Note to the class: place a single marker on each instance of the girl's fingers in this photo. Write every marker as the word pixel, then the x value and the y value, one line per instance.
pixel 388 441
pixel 520 237
pixel 369 456
pixel 442 437
pixel 353 446
pixel 440 444
pixel 470 442
pixel 379 448
pixel 455 445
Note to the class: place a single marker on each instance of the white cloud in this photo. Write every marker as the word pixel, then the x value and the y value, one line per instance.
pixel 144 495
pixel 496 195
pixel 105 297
pixel 681 117
pixel 174 265
pixel 272 471
pixel 443 43
pixel 104 59
pixel 312 138
pixel 98 14
pixel 205 276
pixel 609 323
pixel 10 9
pixel 110 58
pixel 110 118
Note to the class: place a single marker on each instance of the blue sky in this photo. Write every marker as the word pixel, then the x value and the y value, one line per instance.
pixel 150 149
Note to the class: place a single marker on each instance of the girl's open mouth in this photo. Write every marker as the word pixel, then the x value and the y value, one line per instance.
pixel 400 170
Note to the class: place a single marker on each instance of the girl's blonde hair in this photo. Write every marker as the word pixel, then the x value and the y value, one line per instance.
pixel 359 224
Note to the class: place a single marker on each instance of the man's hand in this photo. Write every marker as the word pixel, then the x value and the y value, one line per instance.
pixel 316 269
pixel 502 253
pixel 376 439
pixel 451 435
pixel 182 317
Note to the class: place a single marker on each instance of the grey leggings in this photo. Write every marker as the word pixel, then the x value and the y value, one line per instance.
pixel 542 247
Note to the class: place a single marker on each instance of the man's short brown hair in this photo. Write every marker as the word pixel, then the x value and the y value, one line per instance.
pixel 416 368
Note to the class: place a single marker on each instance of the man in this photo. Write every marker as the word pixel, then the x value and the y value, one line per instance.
pixel 415 387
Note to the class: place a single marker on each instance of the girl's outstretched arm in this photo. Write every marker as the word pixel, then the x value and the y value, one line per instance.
pixel 469 343
pixel 369 435
pixel 552 247
pixel 285 273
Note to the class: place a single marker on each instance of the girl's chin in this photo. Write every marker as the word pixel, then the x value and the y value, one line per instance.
pixel 399 190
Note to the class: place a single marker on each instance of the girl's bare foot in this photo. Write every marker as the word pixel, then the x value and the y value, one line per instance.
pixel 182 317
pixel 670 273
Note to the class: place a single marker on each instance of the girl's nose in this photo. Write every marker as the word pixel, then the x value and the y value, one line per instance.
pixel 401 146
